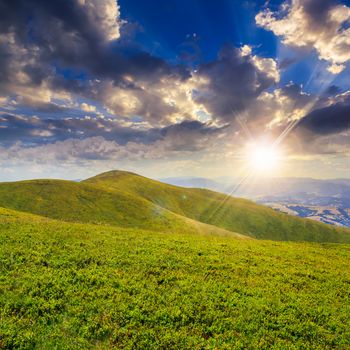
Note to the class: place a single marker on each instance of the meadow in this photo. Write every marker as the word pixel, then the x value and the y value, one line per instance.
pixel 85 286
pixel 128 200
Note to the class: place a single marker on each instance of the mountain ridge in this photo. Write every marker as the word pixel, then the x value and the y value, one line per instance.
pixel 126 199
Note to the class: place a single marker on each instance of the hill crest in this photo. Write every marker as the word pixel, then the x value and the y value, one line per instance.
pixel 126 199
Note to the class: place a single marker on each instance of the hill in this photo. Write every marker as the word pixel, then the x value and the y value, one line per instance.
pixel 84 286
pixel 235 214
pixel 128 200
pixel 327 201
pixel 77 202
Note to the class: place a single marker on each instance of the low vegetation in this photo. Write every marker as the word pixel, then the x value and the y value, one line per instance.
pixel 128 200
pixel 81 286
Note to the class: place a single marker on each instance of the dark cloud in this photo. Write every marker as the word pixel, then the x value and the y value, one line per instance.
pixel 294 92
pixel 35 131
pixel 328 120
pixel 45 38
pixel 49 141
pixel 286 62
pixel 40 131
pixel 190 136
pixel 234 81
pixel 333 90
pixel 318 10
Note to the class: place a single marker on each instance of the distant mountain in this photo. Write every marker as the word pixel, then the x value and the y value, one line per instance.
pixel 221 184
pixel 322 200
pixel 128 200
pixel 303 188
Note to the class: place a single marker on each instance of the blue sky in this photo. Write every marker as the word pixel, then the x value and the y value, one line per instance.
pixel 169 88
pixel 169 25
pixel 170 28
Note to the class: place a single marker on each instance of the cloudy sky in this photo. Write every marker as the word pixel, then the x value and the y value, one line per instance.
pixel 176 87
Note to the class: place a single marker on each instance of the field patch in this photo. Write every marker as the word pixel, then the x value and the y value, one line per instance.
pixel 75 286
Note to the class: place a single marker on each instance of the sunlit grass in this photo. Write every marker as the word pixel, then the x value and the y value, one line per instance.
pixel 75 286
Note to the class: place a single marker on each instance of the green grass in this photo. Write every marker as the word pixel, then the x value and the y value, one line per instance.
pixel 84 286
pixel 128 200
pixel 71 201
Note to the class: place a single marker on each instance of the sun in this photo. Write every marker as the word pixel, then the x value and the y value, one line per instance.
pixel 263 158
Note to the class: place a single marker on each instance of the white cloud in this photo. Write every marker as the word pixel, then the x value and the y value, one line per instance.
pixel 105 14
pixel 160 103
pixel 3 100
pixel 42 133
pixel 268 66
pixel 246 50
pixel 87 108
pixel 20 83
pixel 302 25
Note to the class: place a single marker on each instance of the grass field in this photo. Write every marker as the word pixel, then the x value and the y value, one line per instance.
pixel 128 200
pixel 84 286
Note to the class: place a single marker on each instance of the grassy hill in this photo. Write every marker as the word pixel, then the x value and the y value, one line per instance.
pixel 84 286
pixel 128 200
pixel 71 201
pixel 235 214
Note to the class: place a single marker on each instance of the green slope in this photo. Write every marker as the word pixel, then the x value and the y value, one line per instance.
pixel 235 214
pixel 129 200
pixel 83 286
pixel 72 201
pixel 78 202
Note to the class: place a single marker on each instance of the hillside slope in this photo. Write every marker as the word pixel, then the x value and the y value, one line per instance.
pixel 83 286
pixel 76 202
pixel 128 200
pixel 235 214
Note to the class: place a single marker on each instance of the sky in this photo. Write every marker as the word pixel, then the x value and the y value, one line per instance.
pixel 174 88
